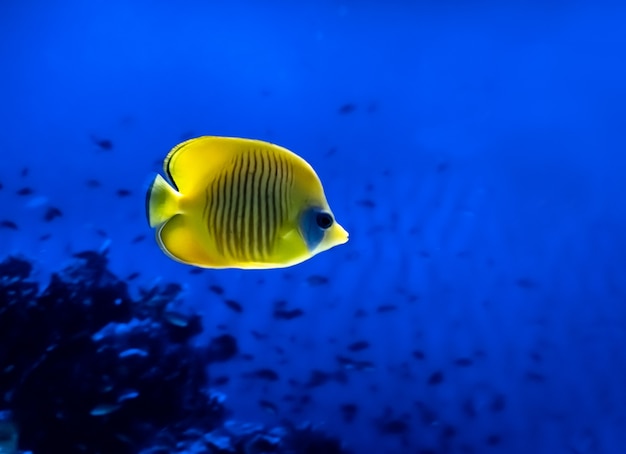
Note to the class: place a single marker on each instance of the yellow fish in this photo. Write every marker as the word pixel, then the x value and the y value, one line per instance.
pixel 240 203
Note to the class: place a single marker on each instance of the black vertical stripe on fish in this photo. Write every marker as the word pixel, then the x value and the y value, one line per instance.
pixel 284 180
pixel 278 191
pixel 225 203
pixel 231 215
pixel 253 215
pixel 270 220
pixel 241 207
pixel 263 221
pixel 246 244
pixel 217 213
pixel 205 210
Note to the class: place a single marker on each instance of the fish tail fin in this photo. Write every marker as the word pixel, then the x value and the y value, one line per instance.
pixel 162 202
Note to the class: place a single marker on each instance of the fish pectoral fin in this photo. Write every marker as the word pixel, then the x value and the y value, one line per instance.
pixel 181 239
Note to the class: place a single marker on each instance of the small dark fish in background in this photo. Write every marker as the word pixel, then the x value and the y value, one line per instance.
pixel 358 346
pixel 221 380
pixel 234 306
pixel 436 378
pixel 443 167
pixel 103 144
pixel 268 406
pixel 93 183
pixel 386 308
pixel 6 224
pixel 1 185
pixel 25 171
pixel 281 313
pixel 349 412
pixel 366 203
pixel 526 283
pixel 52 213
pixel 138 239
pixel 132 276
pixel 24 191
pixel 347 108
pixel 263 374
pixel 463 362
pixel 316 279
pixel 216 289
pixel 258 336
pixel 123 193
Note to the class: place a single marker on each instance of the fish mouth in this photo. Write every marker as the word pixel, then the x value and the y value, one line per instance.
pixel 339 235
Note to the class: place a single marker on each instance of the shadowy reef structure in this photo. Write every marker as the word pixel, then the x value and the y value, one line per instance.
pixel 85 368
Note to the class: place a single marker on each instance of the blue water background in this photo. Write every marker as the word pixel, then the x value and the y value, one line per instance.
pixel 480 173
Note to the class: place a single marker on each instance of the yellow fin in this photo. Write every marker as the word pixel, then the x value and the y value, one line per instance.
pixel 162 202
pixel 193 163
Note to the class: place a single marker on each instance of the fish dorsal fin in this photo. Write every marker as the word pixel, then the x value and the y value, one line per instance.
pixel 191 164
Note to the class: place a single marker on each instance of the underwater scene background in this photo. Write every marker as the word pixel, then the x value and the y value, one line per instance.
pixel 473 150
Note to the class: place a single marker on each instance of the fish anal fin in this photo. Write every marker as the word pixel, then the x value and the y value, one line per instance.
pixel 182 240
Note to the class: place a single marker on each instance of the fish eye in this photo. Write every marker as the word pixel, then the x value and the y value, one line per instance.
pixel 324 220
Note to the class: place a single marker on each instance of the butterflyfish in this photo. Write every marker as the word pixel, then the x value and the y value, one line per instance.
pixel 240 203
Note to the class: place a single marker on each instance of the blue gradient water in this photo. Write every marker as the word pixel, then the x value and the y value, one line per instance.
pixel 480 174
